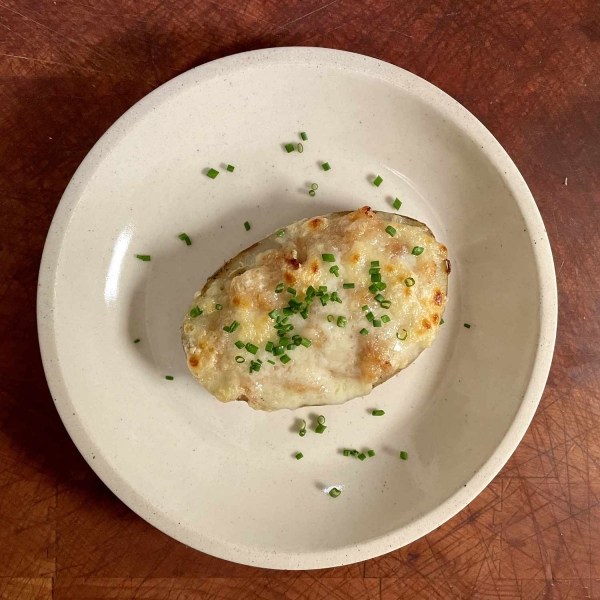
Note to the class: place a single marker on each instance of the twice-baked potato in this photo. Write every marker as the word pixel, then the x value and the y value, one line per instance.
pixel 319 312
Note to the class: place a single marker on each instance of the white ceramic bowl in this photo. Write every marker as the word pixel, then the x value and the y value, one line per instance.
pixel 222 478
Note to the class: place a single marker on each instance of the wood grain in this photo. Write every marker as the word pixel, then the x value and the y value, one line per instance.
pixel 529 69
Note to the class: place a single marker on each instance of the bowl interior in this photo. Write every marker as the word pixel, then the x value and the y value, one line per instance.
pixel 222 478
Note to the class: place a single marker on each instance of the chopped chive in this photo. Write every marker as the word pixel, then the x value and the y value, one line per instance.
pixel 304 313
pixel 378 413
pixel 285 359
pixel 230 168
pixel 184 237
pixel 442 321
pixel 212 173
pixel 247 226
pixel 195 312
pixel 280 287
pixel 365 307
pixel 303 136
pixel 314 186
pixel 322 289
pixel 169 377
pixel 376 277
pixel 467 326
pixel 404 455
pixel 291 346
pixel 300 148
pixel 374 270
pixel 218 307
pixel 287 311
pixel 335 297
pixel 385 303
pixel 348 286
pixel 240 359
pixel 385 319
pixel 292 291
pixel 335 492
pixel 391 230
pixel 409 282
pixel 380 285
pixel 280 232
pixel 403 337
pixel 364 331
pixel 397 204
pixel 378 181
pixel 324 298
pixel 371 453
pixel 284 341
pixel 274 314
pixel 234 326
pixel 269 347
pixel 335 270
pixel 370 316
pixel 306 342
pixel 299 455
pixel 144 257
pixel 271 361
pixel 376 322
pixel 417 250
pixel 240 344
pixel 374 263
pixel 330 318
pixel 380 298
pixel 320 428
pixel 321 420
pixel 328 257
pixel 346 452
pixel 302 431
pixel 353 452
pixel 137 341
pixel 341 322
pixel 310 291
pixel 326 166
pixel 362 456
pixel 251 348
pixel 311 193
pixel 289 147
pixel 373 288
pixel 278 350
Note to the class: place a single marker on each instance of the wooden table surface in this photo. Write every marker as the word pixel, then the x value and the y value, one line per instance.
pixel 528 69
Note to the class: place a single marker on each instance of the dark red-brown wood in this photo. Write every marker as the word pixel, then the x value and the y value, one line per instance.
pixel 530 70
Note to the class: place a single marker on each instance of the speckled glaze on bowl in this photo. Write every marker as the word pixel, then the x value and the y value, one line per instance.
pixel 222 478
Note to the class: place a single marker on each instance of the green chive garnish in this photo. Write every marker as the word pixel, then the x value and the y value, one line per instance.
pixel 417 250
pixel 184 237
pixel 370 316
pixel 378 181
pixel 303 136
pixel 240 344
pixel 292 291
pixel 328 257
pixel 144 257
pixel 299 455
pixel 278 350
pixel 304 313
pixel 271 361
pixel 212 173
pixel 195 312
pixel 324 299
pixel 230 168
pixel 364 331
pixel 371 453
pixel 378 413
pixel 289 147
pixel 467 326
pixel 326 166
pixel 380 285
pixel 320 428
pixel 335 270
pixel 391 230
pixel 373 289
pixel 280 232
pixel 218 307
pixel 330 318
pixel 341 322
pixel 285 359
pixel 348 286
pixel 169 377
pixel 442 321
pixel 365 307
pixel 376 277
pixel 380 298
pixel 314 186
pixel 274 314
pixel 374 263
pixel 251 348
pixel 376 322
pixel 300 148
pixel 403 337
pixel 239 359
pixel 136 341
pixel 321 420
pixel 385 303
pixel 403 455
pixel 322 290
pixel 311 193
pixel 385 319
pixel 287 311
pixel 346 452
pixel 306 342
pixel 397 204
pixel 409 282
pixel 291 346
pixel 247 226
pixel 362 456
pixel 269 347
pixel 335 492
pixel 302 431
pixel 280 287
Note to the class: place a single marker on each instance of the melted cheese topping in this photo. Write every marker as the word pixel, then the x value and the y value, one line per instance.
pixel 341 363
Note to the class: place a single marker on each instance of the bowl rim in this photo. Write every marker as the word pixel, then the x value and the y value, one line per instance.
pixel 542 255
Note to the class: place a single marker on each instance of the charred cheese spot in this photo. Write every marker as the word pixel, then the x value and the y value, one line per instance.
pixel 355 258
pixel 193 361
pixel 437 297
pixel 426 324
pixel 448 266
pixel 289 278
pixel 314 266
pixel 435 318
pixel 317 224
pixel 443 249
